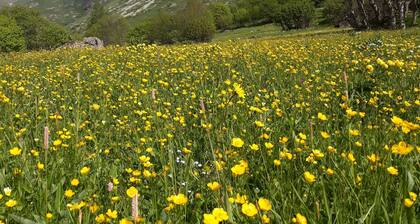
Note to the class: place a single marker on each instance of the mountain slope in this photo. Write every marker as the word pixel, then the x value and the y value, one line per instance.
pixel 73 13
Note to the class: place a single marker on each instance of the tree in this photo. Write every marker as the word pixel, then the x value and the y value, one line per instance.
pixel 334 11
pixel 163 28
pixel 39 33
pixel 111 28
pixel 374 14
pixel 11 36
pixel 195 22
pixel 222 14
pixel 295 14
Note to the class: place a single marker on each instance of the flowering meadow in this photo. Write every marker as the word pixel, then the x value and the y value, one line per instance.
pixel 311 129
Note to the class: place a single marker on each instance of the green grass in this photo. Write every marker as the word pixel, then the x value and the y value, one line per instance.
pixel 273 31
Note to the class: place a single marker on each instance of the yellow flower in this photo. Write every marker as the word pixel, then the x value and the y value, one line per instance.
pixel 259 124
pixel 49 215
pixel 309 177
pixel 254 147
pixel 413 196
pixel 401 148
pixel 100 218
pixel 40 166
pixel 240 168
pixel 57 143
pixel 95 106
pixel 322 116
pixel 69 193
pixel 354 132
pixel 220 214
pixel 125 221
pixel 11 203
pixel 237 142
pixel 85 170
pixel 325 134
pixel 214 186
pixel 74 182
pixel 392 170
pixel 265 219
pixel 268 145
pixel 239 90
pixel 408 202
pixel 15 151
pixel 330 172
pixel 132 191
pixel 249 209
pixel 179 199
pixel 264 204
pixel 300 219
pixel 112 214
pixel 7 191
pixel 369 68
pixel 210 219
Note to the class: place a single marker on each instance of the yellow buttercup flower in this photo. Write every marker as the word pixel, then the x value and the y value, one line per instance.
pixel 15 151
pixel 132 191
pixel 299 219
pixel 322 116
pixel 402 148
pixel 392 171
pixel 214 186
pixel 237 142
pixel 240 168
pixel 249 209
pixel 264 204
pixel 113 214
pixel 309 177
pixel 85 170
pixel 11 203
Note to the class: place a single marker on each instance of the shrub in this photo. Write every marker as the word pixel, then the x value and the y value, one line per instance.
pixel 295 14
pixel 11 36
pixel 334 11
pixel 39 33
pixel 112 29
pixel 195 22
pixel 223 17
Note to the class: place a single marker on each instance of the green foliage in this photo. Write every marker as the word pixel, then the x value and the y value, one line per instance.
pixel 39 33
pixel 295 14
pixel 111 28
pixel 11 36
pixel 222 14
pixel 334 11
pixel 139 34
pixel 195 22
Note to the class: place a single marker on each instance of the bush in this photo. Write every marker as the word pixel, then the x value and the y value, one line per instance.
pixel 223 17
pixel 139 34
pixel 112 29
pixel 11 36
pixel 163 29
pixel 295 14
pixel 195 22
pixel 334 11
pixel 39 33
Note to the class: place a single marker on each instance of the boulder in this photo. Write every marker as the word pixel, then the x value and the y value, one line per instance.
pixel 94 42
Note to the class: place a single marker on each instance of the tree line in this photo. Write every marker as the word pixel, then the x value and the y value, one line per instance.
pixel 22 28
